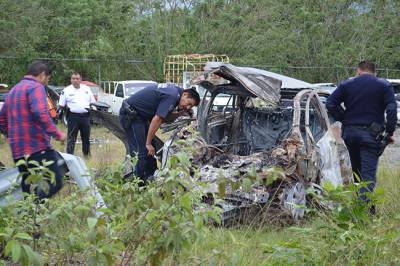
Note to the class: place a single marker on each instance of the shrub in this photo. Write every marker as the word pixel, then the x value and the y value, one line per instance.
pixel 140 224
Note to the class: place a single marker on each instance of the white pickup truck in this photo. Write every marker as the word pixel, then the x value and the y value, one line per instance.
pixel 114 92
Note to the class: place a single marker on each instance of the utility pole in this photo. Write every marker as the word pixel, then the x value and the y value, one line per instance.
pixel 98 73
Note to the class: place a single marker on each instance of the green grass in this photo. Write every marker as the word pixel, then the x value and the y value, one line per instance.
pixel 389 182
pixel 312 243
pixel 104 155
pixel 222 246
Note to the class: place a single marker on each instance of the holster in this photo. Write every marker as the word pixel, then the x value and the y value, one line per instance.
pixel 67 112
pixel 128 115
pixel 128 111
pixel 384 140
pixel 378 131
pixel 375 130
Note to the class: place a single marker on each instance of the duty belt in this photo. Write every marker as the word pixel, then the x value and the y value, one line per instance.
pixel 358 126
pixel 80 114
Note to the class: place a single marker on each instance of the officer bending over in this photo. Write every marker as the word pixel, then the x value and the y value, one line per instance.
pixel 77 99
pixel 365 99
pixel 142 114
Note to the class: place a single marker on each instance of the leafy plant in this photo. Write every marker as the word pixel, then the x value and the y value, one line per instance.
pixel 343 233
pixel 140 224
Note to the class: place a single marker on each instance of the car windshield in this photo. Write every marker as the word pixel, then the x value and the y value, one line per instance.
pixel 3 96
pixel 132 88
pixel 328 87
pixel 396 88
pixel 202 91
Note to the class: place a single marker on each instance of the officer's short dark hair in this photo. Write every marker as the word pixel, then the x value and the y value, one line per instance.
pixel 366 66
pixel 38 67
pixel 192 93
pixel 75 73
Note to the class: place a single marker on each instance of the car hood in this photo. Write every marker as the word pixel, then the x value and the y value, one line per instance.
pixel 263 84
pixel 287 82
pixel 257 84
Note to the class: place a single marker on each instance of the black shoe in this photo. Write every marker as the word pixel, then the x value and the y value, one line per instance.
pixel 372 210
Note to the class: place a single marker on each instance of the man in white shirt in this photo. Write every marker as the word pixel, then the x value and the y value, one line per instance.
pixel 77 99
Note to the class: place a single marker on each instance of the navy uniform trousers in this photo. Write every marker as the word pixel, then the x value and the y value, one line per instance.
pixel 363 149
pixel 78 123
pixel 136 132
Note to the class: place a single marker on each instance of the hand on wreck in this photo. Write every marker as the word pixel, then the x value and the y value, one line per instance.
pixel 188 112
pixel 174 115
pixel 150 149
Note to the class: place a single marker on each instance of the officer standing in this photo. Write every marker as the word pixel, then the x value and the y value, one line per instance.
pixel 77 99
pixel 150 107
pixel 365 98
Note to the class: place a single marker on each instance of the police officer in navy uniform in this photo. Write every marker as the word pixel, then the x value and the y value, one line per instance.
pixel 152 106
pixel 77 99
pixel 365 99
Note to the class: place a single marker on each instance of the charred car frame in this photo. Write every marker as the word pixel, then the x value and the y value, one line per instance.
pixel 273 130
pixel 274 127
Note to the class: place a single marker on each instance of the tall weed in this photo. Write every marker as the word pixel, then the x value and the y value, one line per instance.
pixel 345 234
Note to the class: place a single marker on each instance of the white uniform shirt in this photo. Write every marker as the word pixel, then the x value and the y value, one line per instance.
pixel 77 100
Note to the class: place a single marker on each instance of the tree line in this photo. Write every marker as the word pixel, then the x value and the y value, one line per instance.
pixel 311 33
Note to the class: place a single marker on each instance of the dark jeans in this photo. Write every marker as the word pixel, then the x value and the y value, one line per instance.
pixel 137 134
pixel 363 149
pixel 46 155
pixel 78 122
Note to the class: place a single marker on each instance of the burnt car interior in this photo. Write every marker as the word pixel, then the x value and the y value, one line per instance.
pixel 243 127
pixel 260 126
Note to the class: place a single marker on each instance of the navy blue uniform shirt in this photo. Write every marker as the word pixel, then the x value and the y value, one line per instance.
pixel 365 99
pixel 156 99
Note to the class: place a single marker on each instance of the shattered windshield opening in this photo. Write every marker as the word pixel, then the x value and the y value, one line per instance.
pixel 242 128
pixel 246 125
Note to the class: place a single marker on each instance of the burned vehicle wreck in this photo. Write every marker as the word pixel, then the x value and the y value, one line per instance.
pixel 261 152
pixel 271 142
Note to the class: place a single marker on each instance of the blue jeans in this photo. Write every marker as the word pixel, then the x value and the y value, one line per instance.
pixel 363 149
pixel 137 134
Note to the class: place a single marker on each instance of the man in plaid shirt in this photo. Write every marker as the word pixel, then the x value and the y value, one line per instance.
pixel 26 121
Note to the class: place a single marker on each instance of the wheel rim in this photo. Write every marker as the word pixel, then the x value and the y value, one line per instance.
pixel 294 200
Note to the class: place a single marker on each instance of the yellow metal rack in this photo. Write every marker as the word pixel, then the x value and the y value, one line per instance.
pixel 176 66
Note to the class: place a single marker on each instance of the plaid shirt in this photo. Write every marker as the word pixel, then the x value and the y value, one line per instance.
pixel 25 119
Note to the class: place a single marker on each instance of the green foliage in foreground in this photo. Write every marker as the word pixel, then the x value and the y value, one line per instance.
pixel 346 235
pixel 141 224
pixel 166 223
